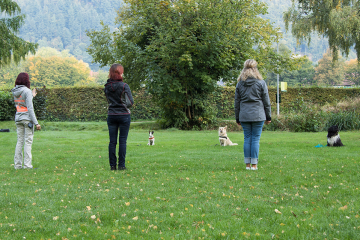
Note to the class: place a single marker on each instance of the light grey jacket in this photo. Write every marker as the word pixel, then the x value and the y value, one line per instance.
pixel 252 102
pixel 23 102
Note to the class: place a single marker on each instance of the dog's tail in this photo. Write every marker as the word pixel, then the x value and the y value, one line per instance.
pixel 233 144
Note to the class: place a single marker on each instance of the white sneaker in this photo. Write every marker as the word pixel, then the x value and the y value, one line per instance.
pixel 248 168
pixel 253 168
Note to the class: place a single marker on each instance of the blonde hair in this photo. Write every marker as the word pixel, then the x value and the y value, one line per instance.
pixel 250 71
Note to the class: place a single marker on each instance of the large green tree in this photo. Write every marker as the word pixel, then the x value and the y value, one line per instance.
pixel 304 76
pixel 11 46
pixel 49 67
pixel 352 71
pixel 329 73
pixel 179 49
pixel 338 20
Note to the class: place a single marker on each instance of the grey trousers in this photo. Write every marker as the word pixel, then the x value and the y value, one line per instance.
pixel 25 137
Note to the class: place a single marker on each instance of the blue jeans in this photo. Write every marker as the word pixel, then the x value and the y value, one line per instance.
pixel 252 133
pixel 115 123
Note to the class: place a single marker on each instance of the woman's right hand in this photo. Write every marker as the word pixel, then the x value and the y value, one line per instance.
pixel 34 92
pixel 267 122
pixel 38 127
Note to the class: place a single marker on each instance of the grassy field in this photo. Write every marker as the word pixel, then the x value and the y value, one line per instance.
pixel 184 187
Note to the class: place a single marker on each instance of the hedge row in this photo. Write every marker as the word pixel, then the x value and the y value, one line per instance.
pixel 89 103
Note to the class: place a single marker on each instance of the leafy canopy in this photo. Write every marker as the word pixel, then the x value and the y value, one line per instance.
pixel 11 46
pixel 48 67
pixel 179 49
pixel 352 71
pixel 338 20
pixel 329 73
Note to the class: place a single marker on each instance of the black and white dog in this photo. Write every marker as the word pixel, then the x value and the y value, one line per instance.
pixel 151 138
pixel 333 137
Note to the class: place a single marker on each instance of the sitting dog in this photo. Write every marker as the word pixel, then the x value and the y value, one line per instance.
pixel 333 137
pixel 151 138
pixel 223 138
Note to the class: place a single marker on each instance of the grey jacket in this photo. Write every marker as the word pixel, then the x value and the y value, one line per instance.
pixel 24 106
pixel 252 102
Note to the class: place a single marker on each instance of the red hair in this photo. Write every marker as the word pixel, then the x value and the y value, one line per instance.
pixel 115 72
pixel 23 79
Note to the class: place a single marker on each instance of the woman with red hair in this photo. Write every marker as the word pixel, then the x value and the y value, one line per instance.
pixel 120 101
pixel 25 120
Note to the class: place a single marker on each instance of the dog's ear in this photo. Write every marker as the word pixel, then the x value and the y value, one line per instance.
pixel 152 132
pixel 149 132
pixel 226 127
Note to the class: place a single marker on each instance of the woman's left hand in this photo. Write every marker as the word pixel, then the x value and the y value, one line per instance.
pixel 267 122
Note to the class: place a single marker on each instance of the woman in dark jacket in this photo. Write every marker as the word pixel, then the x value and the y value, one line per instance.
pixel 252 109
pixel 120 101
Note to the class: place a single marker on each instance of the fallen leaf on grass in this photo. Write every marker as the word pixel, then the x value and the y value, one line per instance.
pixel 88 208
pixel 127 203
pixel 171 214
pixel 55 218
pixel 277 211
pixel 135 218
pixel 93 217
pixel 343 208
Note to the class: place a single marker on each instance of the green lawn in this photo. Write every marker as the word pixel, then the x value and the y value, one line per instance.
pixel 184 187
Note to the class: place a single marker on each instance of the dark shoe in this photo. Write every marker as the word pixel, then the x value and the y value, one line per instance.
pixel 122 168
pixel 113 167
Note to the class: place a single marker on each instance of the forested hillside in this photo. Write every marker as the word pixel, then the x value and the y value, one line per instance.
pixel 318 45
pixel 61 24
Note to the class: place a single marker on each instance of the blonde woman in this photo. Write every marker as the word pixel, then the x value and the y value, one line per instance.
pixel 252 109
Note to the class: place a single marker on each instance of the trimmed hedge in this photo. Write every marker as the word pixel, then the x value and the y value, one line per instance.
pixel 89 103
pixel 77 104
pixel 291 101
pixel 7 108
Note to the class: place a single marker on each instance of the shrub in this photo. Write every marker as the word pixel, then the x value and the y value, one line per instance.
pixel 349 120
pixel 7 109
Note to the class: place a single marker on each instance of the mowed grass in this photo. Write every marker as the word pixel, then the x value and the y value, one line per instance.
pixel 184 187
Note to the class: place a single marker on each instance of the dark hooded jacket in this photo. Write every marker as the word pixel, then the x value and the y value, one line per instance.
pixel 119 97
pixel 252 102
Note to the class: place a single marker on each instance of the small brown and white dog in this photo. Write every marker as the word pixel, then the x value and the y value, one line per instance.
pixel 223 138
pixel 151 138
